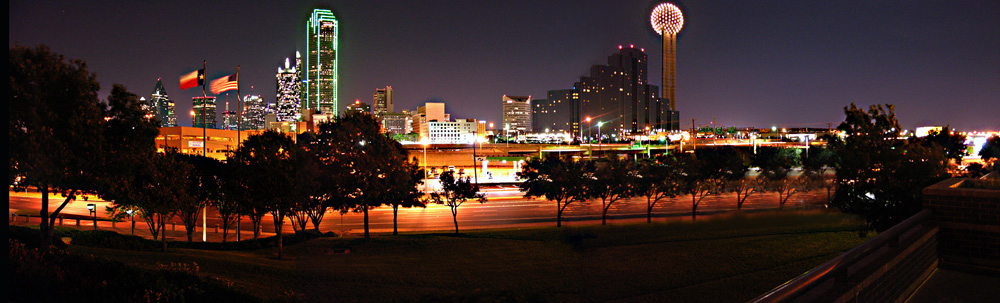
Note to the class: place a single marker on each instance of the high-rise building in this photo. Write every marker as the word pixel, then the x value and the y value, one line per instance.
pixel 321 61
pixel 255 112
pixel 359 107
pixel 289 90
pixel 430 112
pixel 229 118
pixel 203 109
pixel 382 100
pixel 517 114
pixel 461 131
pixel 163 107
pixel 396 123
pixel 560 112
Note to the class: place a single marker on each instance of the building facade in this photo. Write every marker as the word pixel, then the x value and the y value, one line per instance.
pixel 203 109
pixel 321 61
pixel 462 131
pixel 359 107
pixel 160 103
pixel 559 112
pixel 396 123
pixel 430 112
pixel 517 114
pixel 289 92
pixel 255 110
pixel 382 100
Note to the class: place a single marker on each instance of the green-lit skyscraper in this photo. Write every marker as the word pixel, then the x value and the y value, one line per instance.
pixel 321 61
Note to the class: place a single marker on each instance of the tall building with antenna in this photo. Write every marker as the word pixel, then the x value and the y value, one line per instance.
pixel 289 92
pixel 321 64
pixel 162 106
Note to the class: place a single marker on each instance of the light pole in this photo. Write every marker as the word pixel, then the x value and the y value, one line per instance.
pixel 93 213
pixel 424 141
pixel 600 144
pixel 131 217
pixel 590 130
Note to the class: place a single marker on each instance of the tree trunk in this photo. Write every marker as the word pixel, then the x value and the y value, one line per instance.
pixel 454 217
pixel 43 227
pixel 559 211
pixel 163 236
pixel 649 210
pixel 239 230
pixel 395 222
pixel 694 206
pixel 367 234
pixel 604 212
pixel 277 229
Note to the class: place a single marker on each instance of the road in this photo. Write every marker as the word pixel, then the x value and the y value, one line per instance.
pixel 505 209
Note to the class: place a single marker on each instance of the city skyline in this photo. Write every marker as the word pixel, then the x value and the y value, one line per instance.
pixel 745 64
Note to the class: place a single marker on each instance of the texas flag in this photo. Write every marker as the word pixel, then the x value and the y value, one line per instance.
pixel 227 83
pixel 192 79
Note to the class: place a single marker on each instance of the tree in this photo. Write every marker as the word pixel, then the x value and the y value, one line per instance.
pixel 611 181
pixel 991 150
pixel 205 188
pixel 555 179
pixel 775 165
pixel 878 175
pixel 454 192
pixel 951 143
pixel 698 180
pixel 657 180
pixel 56 128
pixel 143 191
pixel 361 160
pixel 815 166
pixel 402 190
pixel 745 187
pixel 268 160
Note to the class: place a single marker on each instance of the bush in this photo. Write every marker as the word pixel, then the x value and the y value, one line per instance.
pixel 56 275
pixel 113 240
pixel 31 238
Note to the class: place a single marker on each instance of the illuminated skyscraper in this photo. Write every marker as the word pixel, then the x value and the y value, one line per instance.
pixel 667 21
pixel 254 112
pixel 517 113
pixel 161 105
pixel 203 109
pixel 289 90
pixel 382 100
pixel 321 61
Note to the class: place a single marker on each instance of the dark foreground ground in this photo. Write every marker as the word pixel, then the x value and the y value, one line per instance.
pixel 729 259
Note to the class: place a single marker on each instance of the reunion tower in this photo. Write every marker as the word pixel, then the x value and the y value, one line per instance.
pixel 667 21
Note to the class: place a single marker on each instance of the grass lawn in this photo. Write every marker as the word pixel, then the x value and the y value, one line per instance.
pixel 718 260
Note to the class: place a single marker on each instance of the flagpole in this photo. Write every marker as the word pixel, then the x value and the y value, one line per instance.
pixel 204 144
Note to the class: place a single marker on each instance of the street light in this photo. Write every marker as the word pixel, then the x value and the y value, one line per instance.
pixel 93 213
pixel 131 217
pixel 600 143
pixel 424 142
pixel 590 130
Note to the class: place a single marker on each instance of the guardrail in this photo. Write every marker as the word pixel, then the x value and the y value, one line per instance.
pixel 907 251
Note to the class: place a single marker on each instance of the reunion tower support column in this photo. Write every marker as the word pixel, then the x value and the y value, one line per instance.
pixel 669 69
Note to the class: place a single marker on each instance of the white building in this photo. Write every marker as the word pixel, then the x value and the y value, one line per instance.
pixel 463 131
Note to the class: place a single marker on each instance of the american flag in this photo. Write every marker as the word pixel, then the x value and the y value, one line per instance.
pixel 227 83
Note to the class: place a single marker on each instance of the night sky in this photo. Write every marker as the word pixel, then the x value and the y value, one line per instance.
pixel 743 63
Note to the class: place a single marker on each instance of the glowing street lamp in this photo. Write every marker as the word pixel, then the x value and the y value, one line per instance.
pixel 425 143
pixel 93 213
pixel 600 145
pixel 590 131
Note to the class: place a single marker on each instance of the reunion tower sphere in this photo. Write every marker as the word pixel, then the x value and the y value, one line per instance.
pixel 666 18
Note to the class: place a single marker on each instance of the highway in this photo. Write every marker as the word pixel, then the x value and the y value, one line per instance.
pixel 505 209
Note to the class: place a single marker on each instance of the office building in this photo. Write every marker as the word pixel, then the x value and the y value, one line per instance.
pixel 430 112
pixel 162 106
pixel 517 114
pixel 559 112
pixel 462 131
pixel 321 63
pixel 229 118
pixel 359 107
pixel 255 110
pixel 383 100
pixel 289 92
pixel 396 123
pixel 203 111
